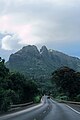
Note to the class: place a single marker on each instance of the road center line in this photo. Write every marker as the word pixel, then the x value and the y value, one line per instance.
pixel 73 109
pixel 44 111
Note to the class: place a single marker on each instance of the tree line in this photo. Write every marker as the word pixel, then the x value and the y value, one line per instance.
pixel 15 88
pixel 66 83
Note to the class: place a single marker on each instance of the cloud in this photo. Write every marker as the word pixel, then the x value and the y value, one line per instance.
pixel 10 42
pixel 52 22
pixel 5 44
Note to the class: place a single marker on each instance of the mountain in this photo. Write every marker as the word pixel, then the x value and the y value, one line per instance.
pixel 40 64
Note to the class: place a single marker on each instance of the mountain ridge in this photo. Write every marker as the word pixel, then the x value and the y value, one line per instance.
pixel 40 63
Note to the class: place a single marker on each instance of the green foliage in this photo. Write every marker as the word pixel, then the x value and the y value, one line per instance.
pixel 77 98
pixel 3 70
pixel 67 81
pixel 37 99
pixel 5 99
pixel 62 97
pixel 40 64
pixel 15 88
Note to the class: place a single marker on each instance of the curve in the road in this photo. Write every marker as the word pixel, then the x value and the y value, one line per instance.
pixel 47 110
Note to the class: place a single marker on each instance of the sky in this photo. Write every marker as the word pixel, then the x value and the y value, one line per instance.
pixel 54 23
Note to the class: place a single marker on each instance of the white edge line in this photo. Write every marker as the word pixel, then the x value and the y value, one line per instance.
pixel 73 109
pixel 22 111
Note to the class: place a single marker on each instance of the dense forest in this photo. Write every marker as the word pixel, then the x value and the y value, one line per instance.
pixel 15 88
pixel 66 83
pixel 40 63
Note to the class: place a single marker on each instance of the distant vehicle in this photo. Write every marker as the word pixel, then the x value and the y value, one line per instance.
pixel 48 97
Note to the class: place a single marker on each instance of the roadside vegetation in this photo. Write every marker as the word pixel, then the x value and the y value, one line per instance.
pixel 15 88
pixel 66 83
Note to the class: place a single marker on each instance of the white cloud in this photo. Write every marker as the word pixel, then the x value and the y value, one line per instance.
pixel 57 2
pixel 10 42
pixel 5 43
pixel 55 23
pixel 41 21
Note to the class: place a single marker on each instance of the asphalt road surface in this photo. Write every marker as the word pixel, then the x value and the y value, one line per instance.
pixel 47 110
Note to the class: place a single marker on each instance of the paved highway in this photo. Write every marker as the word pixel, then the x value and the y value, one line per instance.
pixel 47 110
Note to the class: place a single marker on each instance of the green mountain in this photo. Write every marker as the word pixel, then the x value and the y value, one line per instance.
pixel 40 64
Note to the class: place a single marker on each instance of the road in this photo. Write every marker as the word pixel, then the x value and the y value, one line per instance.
pixel 47 110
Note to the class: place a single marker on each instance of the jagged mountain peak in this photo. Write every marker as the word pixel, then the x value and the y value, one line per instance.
pixel 29 47
pixel 29 60
pixel 43 50
pixel 30 50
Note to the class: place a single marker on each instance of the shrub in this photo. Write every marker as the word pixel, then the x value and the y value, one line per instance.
pixel 37 99
pixel 77 98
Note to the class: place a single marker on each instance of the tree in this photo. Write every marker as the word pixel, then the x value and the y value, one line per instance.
pixel 67 81
pixel 3 70
pixel 14 88
pixel 25 89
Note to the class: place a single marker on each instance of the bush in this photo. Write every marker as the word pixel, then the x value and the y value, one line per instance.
pixel 61 96
pixel 5 104
pixel 4 100
pixel 77 98
pixel 64 98
pixel 15 88
pixel 37 99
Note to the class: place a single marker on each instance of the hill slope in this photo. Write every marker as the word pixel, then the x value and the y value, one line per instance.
pixel 40 64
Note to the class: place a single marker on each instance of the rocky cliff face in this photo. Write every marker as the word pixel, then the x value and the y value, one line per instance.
pixel 40 64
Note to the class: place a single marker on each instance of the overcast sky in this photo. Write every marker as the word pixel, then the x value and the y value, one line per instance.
pixel 54 23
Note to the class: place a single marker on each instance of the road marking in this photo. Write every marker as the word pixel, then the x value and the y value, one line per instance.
pixel 44 111
pixel 70 108
pixel 22 111
pixel 73 109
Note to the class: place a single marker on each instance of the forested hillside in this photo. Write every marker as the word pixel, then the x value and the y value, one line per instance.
pixel 66 83
pixel 40 64
pixel 15 88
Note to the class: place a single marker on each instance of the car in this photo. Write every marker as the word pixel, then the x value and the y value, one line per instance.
pixel 48 97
